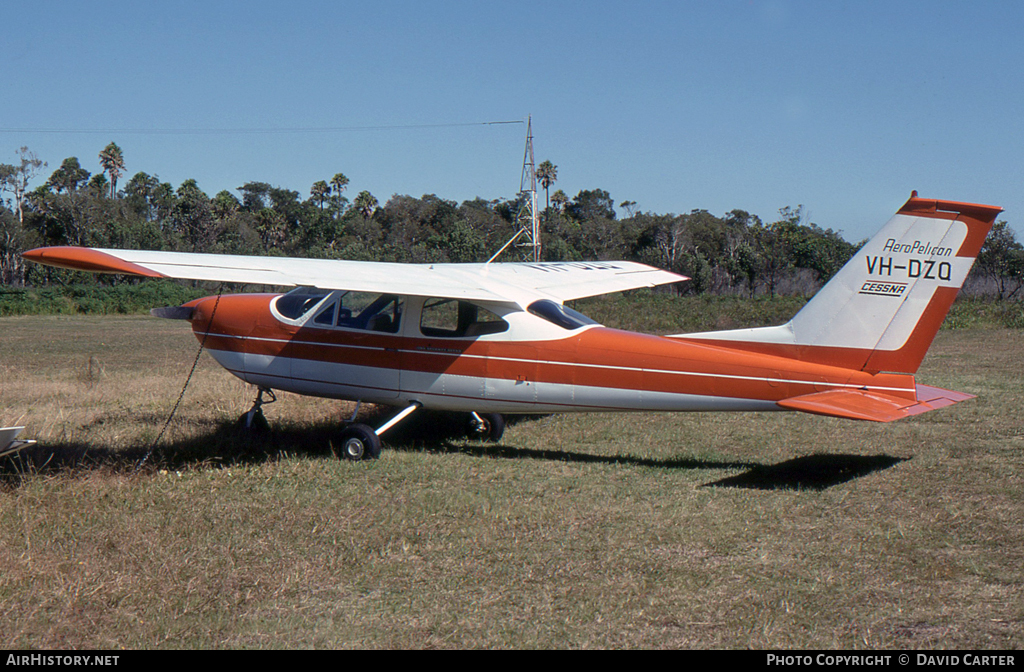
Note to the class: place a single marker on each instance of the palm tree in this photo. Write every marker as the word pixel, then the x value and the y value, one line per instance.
pixel 320 192
pixel 112 162
pixel 99 184
pixel 365 203
pixel 547 173
pixel 560 200
pixel 338 183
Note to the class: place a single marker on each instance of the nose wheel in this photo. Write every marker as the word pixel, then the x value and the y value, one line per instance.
pixel 252 421
pixel 485 426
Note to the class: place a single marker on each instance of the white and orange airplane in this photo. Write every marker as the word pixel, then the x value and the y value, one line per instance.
pixel 492 339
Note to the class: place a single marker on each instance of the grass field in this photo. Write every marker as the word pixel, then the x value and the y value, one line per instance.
pixel 644 530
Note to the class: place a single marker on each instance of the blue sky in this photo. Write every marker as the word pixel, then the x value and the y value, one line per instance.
pixel 844 107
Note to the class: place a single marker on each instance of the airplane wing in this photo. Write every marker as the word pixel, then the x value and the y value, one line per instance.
pixel 568 280
pixel 504 282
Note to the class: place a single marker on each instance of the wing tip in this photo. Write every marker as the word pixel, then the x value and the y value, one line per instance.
pixel 86 259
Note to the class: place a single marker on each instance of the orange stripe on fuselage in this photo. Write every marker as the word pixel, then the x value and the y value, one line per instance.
pixel 597 357
pixel 907 358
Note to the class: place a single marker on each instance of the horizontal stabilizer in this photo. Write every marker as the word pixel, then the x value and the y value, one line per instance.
pixel 9 442
pixel 875 406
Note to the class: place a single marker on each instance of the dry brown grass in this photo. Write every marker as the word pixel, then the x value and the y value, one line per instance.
pixel 646 530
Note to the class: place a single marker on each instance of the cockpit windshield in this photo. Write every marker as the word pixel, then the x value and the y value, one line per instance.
pixel 300 301
pixel 563 316
pixel 347 310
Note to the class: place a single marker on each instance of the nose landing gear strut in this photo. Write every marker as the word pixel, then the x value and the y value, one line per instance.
pixel 252 421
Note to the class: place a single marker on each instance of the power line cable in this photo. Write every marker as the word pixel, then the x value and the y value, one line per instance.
pixel 249 131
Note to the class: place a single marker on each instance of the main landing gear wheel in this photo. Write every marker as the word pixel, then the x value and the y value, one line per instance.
pixel 360 442
pixel 486 426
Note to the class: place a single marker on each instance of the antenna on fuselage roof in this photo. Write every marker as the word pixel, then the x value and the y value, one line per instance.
pixel 526 218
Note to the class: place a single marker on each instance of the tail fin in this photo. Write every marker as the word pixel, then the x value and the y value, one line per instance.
pixel 881 311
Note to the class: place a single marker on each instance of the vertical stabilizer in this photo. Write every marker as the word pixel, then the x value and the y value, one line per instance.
pixel 881 311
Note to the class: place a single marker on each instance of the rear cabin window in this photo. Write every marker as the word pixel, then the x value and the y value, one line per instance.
pixel 451 318
pixel 556 313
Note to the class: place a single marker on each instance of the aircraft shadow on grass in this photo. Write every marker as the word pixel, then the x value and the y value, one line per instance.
pixel 811 472
pixel 224 443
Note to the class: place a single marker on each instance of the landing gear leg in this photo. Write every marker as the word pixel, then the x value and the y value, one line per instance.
pixel 252 420
pixel 362 442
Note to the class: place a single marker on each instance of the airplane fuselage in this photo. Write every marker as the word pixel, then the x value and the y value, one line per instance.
pixel 531 366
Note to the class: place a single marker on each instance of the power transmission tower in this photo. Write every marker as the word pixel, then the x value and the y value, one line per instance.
pixel 527 223
pixel 527 219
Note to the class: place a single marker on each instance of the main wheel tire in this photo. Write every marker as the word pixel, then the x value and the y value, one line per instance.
pixel 490 427
pixel 252 423
pixel 360 442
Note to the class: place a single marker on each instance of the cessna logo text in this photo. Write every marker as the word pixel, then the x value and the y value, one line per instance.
pixel 883 288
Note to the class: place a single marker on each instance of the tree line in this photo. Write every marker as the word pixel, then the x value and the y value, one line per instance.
pixel 736 253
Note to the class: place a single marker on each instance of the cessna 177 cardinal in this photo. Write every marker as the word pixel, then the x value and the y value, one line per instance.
pixel 497 338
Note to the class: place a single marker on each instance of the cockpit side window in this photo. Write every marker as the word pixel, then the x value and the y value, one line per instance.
pixel 451 318
pixel 372 312
pixel 556 313
pixel 325 318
